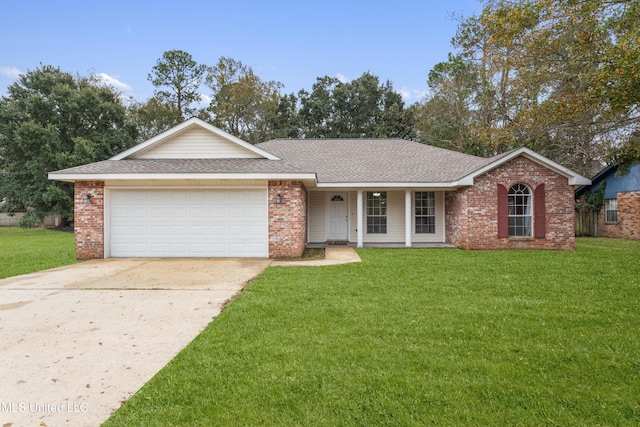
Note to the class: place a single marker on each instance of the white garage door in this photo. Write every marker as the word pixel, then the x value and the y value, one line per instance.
pixel 189 223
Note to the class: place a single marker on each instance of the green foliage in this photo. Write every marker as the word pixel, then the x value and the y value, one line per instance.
pixel 153 117
pixel 417 337
pixel 25 251
pixel 557 76
pixel 593 200
pixel 626 154
pixel 447 118
pixel 242 104
pixel 362 108
pixel 286 123
pixel 51 120
pixel 181 76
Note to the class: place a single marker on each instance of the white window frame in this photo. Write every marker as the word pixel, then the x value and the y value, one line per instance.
pixel 422 210
pixel 611 211
pixel 376 206
pixel 520 201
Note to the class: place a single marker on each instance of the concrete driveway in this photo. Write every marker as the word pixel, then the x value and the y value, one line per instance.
pixel 77 341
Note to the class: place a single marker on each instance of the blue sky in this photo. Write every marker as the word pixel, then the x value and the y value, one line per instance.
pixel 292 42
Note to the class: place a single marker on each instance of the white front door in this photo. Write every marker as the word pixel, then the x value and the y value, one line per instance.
pixel 337 216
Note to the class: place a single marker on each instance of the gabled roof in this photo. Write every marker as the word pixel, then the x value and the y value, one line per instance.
pixel 493 162
pixel 615 183
pixel 217 137
pixel 361 162
pixel 323 162
pixel 595 179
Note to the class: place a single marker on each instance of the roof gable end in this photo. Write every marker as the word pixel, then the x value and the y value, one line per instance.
pixel 194 139
pixel 573 177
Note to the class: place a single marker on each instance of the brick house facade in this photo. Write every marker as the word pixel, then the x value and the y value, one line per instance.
pixel 196 191
pixel 627 225
pixel 619 217
pixel 89 219
pixel 287 219
pixel 472 212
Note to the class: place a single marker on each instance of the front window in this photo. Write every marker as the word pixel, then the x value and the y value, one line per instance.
pixel 425 211
pixel 519 211
pixel 611 206
pixel 376 212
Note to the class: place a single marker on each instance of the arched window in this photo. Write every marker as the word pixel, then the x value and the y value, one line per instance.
pixel 519 201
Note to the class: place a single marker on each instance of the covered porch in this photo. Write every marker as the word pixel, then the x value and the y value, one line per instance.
pixel 376 217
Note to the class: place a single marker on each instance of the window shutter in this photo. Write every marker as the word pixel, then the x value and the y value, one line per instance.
pixel 503 212
pixel 540 212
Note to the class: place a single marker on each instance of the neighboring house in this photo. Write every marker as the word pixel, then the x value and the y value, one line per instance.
pixel 620 213
pixel 196 191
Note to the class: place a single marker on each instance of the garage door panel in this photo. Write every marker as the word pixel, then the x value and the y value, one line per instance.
pixel 189 223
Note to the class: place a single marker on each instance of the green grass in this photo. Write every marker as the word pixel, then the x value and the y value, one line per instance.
pixel 417 337
pixel 25 250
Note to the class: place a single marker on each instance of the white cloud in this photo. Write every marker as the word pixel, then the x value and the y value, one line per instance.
pixel 112 81
pixel 11 72
pixel 420 94
pixel 405 93
pixel 342 78
pixel 205 100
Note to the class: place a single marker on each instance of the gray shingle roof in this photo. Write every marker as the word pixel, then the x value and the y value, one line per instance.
pixel 333 160
pixel 183 166
pixel 374 160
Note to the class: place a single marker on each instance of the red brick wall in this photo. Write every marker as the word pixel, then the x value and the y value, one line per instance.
pixel 287 219
pixel 88 219
pixel 472 216
pixel 628 224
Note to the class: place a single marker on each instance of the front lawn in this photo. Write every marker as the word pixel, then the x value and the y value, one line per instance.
pixel 417 337
pixel 25 250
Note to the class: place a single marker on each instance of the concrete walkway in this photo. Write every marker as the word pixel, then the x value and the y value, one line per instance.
pixel 332 256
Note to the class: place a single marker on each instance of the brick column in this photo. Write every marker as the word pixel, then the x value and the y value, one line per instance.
pixel 287 219
pixel 88 219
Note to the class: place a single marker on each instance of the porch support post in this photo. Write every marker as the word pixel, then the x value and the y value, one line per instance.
pixel 360 216
pixel 407 218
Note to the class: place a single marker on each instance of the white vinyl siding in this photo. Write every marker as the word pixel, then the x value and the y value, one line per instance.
pixel 316 217
pixel 196 143
pixel 187 223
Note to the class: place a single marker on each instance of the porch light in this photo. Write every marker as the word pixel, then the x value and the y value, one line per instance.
pixel 87 199
pixel 278 198
pixel 376 194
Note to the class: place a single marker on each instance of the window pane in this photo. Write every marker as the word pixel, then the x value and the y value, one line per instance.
pixel 425 211
pixel 611 206
pixel 376 212
pixel 519 211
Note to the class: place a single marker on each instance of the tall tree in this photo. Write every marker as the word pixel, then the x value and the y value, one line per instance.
pixel 550 75
pixel 180 76
pixel 286 122
pixel 153 117
pixel 242 103
pixel 447 118
pixel 362 108
pixel 52 120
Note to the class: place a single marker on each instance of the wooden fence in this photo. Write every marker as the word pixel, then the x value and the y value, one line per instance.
pixel 586 222
pixel 12 221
